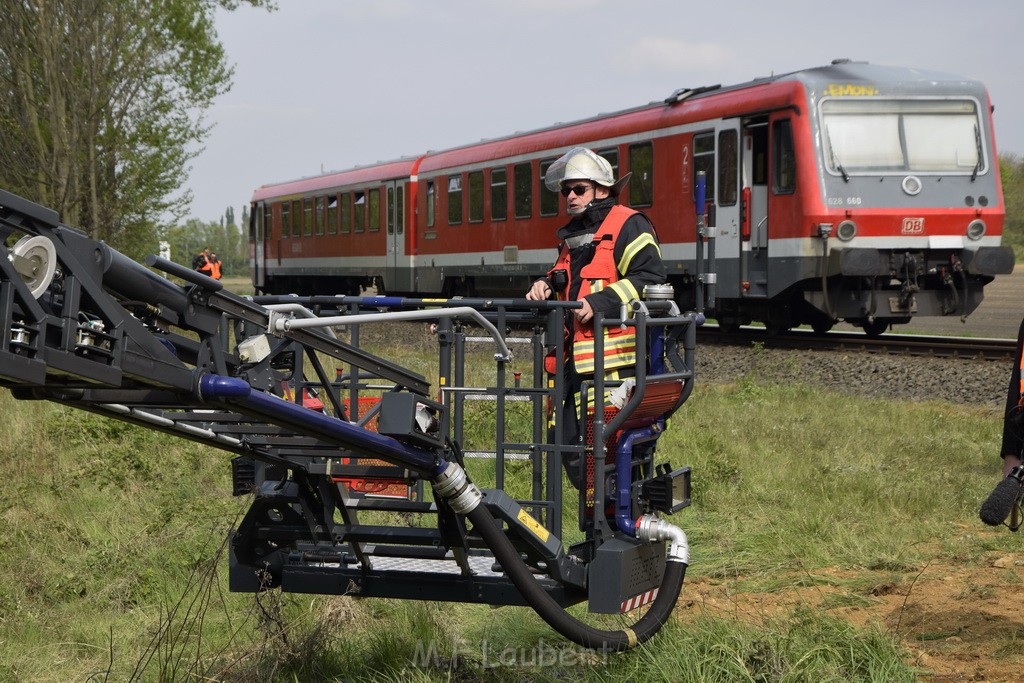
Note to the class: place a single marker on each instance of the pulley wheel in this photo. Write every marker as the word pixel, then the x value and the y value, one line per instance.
pixel 35 259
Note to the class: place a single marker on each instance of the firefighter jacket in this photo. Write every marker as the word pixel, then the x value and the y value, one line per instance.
pixel 214 267
pixel 202 263
pixel 609 253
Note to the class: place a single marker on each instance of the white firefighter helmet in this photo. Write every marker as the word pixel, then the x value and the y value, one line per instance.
pixel 580 163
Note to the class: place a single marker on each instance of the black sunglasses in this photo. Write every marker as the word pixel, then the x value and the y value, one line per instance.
pixel 578 190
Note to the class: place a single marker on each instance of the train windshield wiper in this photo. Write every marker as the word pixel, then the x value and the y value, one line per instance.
pixel 832 156
pixel 977 143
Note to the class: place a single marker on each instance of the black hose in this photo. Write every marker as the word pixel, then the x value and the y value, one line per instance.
pixel 560 620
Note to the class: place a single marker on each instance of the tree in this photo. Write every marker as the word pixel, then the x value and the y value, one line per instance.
pixel 1011 168
pixel 102 106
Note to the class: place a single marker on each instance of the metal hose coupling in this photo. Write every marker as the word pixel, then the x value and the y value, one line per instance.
pixel 651 528
pixel 454 486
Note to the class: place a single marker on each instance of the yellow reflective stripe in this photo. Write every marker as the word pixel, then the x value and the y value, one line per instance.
pixel 625 290
pixel 617 353
pixel 620 361
pixel 584 347
pixel 634 247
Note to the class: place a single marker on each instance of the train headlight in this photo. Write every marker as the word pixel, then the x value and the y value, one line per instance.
pixel 846 231
pixel 912 185
pixel 976 229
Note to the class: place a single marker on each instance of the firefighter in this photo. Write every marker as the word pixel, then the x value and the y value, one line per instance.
pixel 214 264
pixel 607 254
pixel 202 263
pixel 1012 448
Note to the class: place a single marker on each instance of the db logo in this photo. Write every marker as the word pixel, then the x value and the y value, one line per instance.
pixel 913 226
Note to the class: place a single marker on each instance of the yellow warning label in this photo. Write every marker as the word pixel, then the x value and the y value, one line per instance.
pixel 533 525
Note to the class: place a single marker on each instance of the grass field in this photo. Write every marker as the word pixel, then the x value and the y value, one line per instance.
pixel 833 539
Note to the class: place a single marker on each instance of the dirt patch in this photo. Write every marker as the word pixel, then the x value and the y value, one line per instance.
pixel 958 622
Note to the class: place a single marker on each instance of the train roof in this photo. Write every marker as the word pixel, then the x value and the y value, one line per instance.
pixel 776 90
pixel 397 168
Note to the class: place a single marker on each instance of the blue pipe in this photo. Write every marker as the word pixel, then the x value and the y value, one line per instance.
pixel 310 422
pixel 624 474
pixel 383 301
pixel 657 354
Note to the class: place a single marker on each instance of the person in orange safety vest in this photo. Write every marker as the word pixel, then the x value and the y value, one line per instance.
pixel 202 263
pixel 214 264
pixel 607 255
pixel 207 263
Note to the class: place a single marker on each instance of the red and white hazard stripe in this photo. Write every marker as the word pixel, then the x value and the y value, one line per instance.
pixel 638 601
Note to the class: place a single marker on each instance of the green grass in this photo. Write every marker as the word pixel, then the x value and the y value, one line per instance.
pixel 114 567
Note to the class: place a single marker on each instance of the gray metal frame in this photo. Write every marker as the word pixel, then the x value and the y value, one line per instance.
pixel 113 337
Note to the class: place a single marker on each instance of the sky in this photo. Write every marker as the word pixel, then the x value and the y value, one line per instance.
pixel 324 85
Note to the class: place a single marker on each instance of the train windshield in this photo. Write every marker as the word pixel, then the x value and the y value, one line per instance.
pixel 898 136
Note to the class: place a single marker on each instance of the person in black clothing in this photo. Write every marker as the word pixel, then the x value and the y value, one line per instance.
pixel 608 254
pixel 1012 449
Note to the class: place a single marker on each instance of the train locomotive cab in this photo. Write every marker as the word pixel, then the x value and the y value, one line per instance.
pixel 911 209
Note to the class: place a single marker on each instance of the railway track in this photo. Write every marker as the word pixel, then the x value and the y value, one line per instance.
pixel 897 344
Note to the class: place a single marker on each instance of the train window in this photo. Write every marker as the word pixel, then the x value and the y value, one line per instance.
pixel 897 136
pixel 476 197
pixel 268 221
pixel 307 216
pixel 374 216
pixel 391 210
pixel 522 190
pixel 359 211
pixel 332 214
pixel 454 200
pixel 286 219
pixel 704 160
pixel 346 213
pixel 783 158
pixel 318 217
pixel 728 167
pixel 548 199
pixel 430 203
pixel 641 165
pixel 499 194
pixel 612 155
pixel 296 218
pixel 400 209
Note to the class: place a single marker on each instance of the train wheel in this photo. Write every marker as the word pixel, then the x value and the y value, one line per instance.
pixel 874 328
pixel 822 326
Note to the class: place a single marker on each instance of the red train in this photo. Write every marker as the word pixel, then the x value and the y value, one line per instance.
pixel 851 192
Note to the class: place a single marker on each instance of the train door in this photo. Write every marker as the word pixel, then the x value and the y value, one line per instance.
pixel 399 275
pixel 257 233
pixel 754 208
pixel 727 209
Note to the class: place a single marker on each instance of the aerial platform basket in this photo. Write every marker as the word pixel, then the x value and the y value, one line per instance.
pixel 271 382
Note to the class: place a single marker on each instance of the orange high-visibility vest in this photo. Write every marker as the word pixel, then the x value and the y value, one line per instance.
pixel 600 273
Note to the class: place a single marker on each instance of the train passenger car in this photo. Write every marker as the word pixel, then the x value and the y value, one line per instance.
pixel 335 233
pixel 850 192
